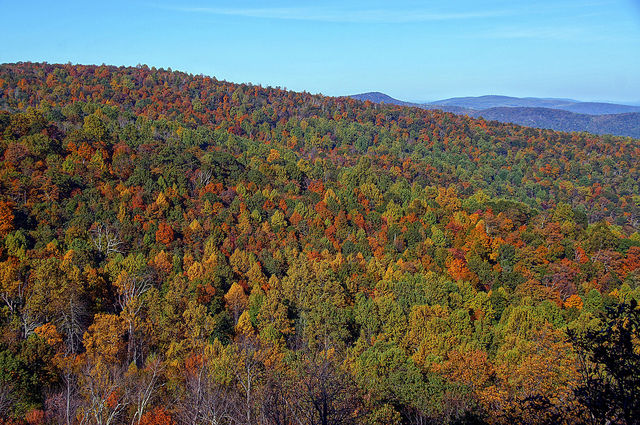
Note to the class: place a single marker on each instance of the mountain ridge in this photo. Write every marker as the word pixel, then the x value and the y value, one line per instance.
pixel 556 114
pixel 491 101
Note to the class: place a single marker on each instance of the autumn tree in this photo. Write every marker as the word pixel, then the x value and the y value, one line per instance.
pixel 201 399
pixel 237 301
pixel 325 394
pixel 6 219
pixel 609 362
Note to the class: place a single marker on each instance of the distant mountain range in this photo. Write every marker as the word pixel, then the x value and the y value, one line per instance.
pixel 556 114
pixel 486 102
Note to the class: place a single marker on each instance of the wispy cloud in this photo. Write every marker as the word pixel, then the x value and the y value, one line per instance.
pixel 330 15
pixel 562 33
pixel 539 33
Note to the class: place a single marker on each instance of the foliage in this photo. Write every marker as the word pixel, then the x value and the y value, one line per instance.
pixel 178 249
pixel 610 358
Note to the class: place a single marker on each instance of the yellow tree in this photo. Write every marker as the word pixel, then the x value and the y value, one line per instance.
pixel 104 340
pixel 246 361
pixel 12 286
pixel 273 321
pixel 6 219
pixel 132 281
pixel 536 373
pixel 237 301
pixel 59 295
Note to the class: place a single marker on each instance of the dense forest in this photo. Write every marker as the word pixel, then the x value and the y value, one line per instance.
pixel 176 249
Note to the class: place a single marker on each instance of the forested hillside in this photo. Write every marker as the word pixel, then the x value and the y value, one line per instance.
pixel 181 250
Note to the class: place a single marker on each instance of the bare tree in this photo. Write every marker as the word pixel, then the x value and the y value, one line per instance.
pixel 72 321
pixel 278 402
pixel 203 400
pixel 6 399
pixel 144 387
pixel 327 395
pixel 248 368
pixel 105 392
pixel 203 177
pixel 105 239
pixel 61 406
pixel 131 288
pixel 16 292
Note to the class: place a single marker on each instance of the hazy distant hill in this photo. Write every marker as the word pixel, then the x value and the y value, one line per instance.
pixel 627 124
pixel 485 102
pixel 378 97
pixel 556 114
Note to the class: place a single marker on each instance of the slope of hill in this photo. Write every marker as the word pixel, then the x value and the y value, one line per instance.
pixel 176 249
pixel 598 108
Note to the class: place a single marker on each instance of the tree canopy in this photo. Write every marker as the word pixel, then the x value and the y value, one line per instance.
pixel 178 249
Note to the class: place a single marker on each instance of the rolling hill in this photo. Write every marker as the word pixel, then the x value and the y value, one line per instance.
pixel 486 102
pixel 555 114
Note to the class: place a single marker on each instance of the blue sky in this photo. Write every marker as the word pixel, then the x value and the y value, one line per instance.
pixel 411 50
